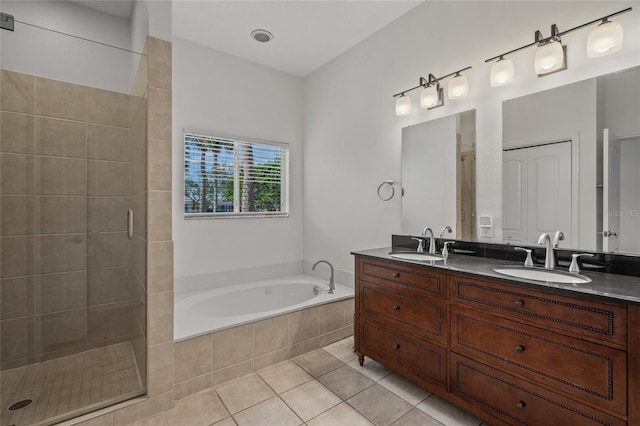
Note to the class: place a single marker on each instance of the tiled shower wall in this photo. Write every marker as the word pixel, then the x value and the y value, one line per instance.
pixel 68 282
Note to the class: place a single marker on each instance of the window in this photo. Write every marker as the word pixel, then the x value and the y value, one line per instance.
pixel 230 177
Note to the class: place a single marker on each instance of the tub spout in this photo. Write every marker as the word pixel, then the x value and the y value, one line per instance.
pixel 332 285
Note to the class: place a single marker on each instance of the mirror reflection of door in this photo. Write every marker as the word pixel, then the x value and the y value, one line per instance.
pixel 537 193
pixel 611 192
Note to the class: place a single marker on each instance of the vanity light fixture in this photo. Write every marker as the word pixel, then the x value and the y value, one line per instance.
pixel 431 93
pixel 605 39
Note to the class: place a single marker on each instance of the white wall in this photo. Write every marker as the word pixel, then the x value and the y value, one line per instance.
pixel 352 136
pixel 219 93
pixel 44 53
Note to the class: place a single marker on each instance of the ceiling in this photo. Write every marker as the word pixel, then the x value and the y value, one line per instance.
pixel 120 8
pixel 306 34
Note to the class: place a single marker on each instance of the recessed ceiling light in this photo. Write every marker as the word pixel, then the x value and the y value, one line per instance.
pixel 263 36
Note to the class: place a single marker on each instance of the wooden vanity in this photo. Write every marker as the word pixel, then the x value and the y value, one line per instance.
pixel 509 353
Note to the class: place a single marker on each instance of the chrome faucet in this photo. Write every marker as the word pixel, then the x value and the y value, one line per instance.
pixel 550 258
pixel 432 241
pixel 332 285
pixel 447 229
pixel 557 237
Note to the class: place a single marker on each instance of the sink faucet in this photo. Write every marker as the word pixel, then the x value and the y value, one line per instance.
pixel 447 229
pixel 557 237
pixel 332 285
pixel 550 258
pixel 432 241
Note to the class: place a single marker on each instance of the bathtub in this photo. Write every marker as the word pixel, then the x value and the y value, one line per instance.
pixel 206 311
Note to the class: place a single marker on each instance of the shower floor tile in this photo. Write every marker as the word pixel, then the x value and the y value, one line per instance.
pixel 69 384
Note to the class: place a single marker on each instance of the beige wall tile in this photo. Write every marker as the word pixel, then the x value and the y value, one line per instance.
pixel 62 138
pixel 59 292
pixel 107 143
pixel 349 311
pixel 271 358
pixel 271 334
pixel 232 346
pixel 227 374
pixel 189 387
pixel 304 347
pixel 160 317
pixel 111 322
pixel 139 206
pixel 107 214
pixel 143 409
pixel 60 99
pixel 303 325
pixel 16 174
pixel 61 330
pixel 108 178
pixel 17 341
pixel 159 165
pixel 159 114
pixel 159 54
pixel 193 358
pixel 105 107
pixel 330 317
pixel 139 261
pixel 16 215
pixel 159 216
pixel 61 253
pixel 330 337
pixel 108 250
pixel 16 256
pixel 160 266
pixel 60 214
pixel 17 297
pixel 18 92
pixel 17 132
pixel 161 367
pixel 60 176
pixel 110 285
pixel 139 86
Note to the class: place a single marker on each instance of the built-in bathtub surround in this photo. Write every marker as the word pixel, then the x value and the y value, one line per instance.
pixel 210 359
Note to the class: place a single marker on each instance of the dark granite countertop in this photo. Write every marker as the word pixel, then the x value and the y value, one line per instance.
pixel 603 285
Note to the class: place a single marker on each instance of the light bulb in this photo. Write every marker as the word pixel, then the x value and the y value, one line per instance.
pixel 458 87
pixel 429 97
pixel 604 39
pixel 502 72
pixel 403 105
pixel 549 57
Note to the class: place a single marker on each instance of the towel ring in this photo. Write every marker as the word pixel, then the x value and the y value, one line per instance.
pixel 389 182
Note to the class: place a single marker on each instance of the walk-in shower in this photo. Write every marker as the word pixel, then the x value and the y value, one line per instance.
pixel 73 156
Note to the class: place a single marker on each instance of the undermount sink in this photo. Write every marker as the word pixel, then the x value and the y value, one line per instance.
pixel 425 257
pixel 545 275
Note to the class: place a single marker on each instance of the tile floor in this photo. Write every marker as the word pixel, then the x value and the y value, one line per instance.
pixel 69 384
pixel 325 387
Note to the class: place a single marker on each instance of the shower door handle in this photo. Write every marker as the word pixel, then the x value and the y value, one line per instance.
pixel 130 224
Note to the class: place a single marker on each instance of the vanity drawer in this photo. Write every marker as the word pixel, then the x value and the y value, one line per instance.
pixel 396 272
pixel 400 353
pixel 517 401
pixel 594 373
pixel 591 320
pixel 414 312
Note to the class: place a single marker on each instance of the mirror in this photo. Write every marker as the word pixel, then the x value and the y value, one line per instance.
pixel 429 152
pixel 570 163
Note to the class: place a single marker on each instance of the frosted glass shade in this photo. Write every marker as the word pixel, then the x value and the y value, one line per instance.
pixel 549 57
pixel 458 87
pixel 429 97
pixel 604 39
pixel 502 73
pixel 403 105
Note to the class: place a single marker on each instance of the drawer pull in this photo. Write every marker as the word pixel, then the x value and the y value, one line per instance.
pixel 396 275
pixel 395 307
pixel 520 405
pixel 519 349
pixel 519 303
pixel 396 346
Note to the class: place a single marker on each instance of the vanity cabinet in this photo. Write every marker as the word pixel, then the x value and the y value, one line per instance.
pixel 509 353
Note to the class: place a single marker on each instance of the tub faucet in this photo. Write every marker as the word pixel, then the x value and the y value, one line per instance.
pixel 332 285
pixel 550 258
pixel 432 243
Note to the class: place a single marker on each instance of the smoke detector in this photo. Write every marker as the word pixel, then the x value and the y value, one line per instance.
pixel 263 36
